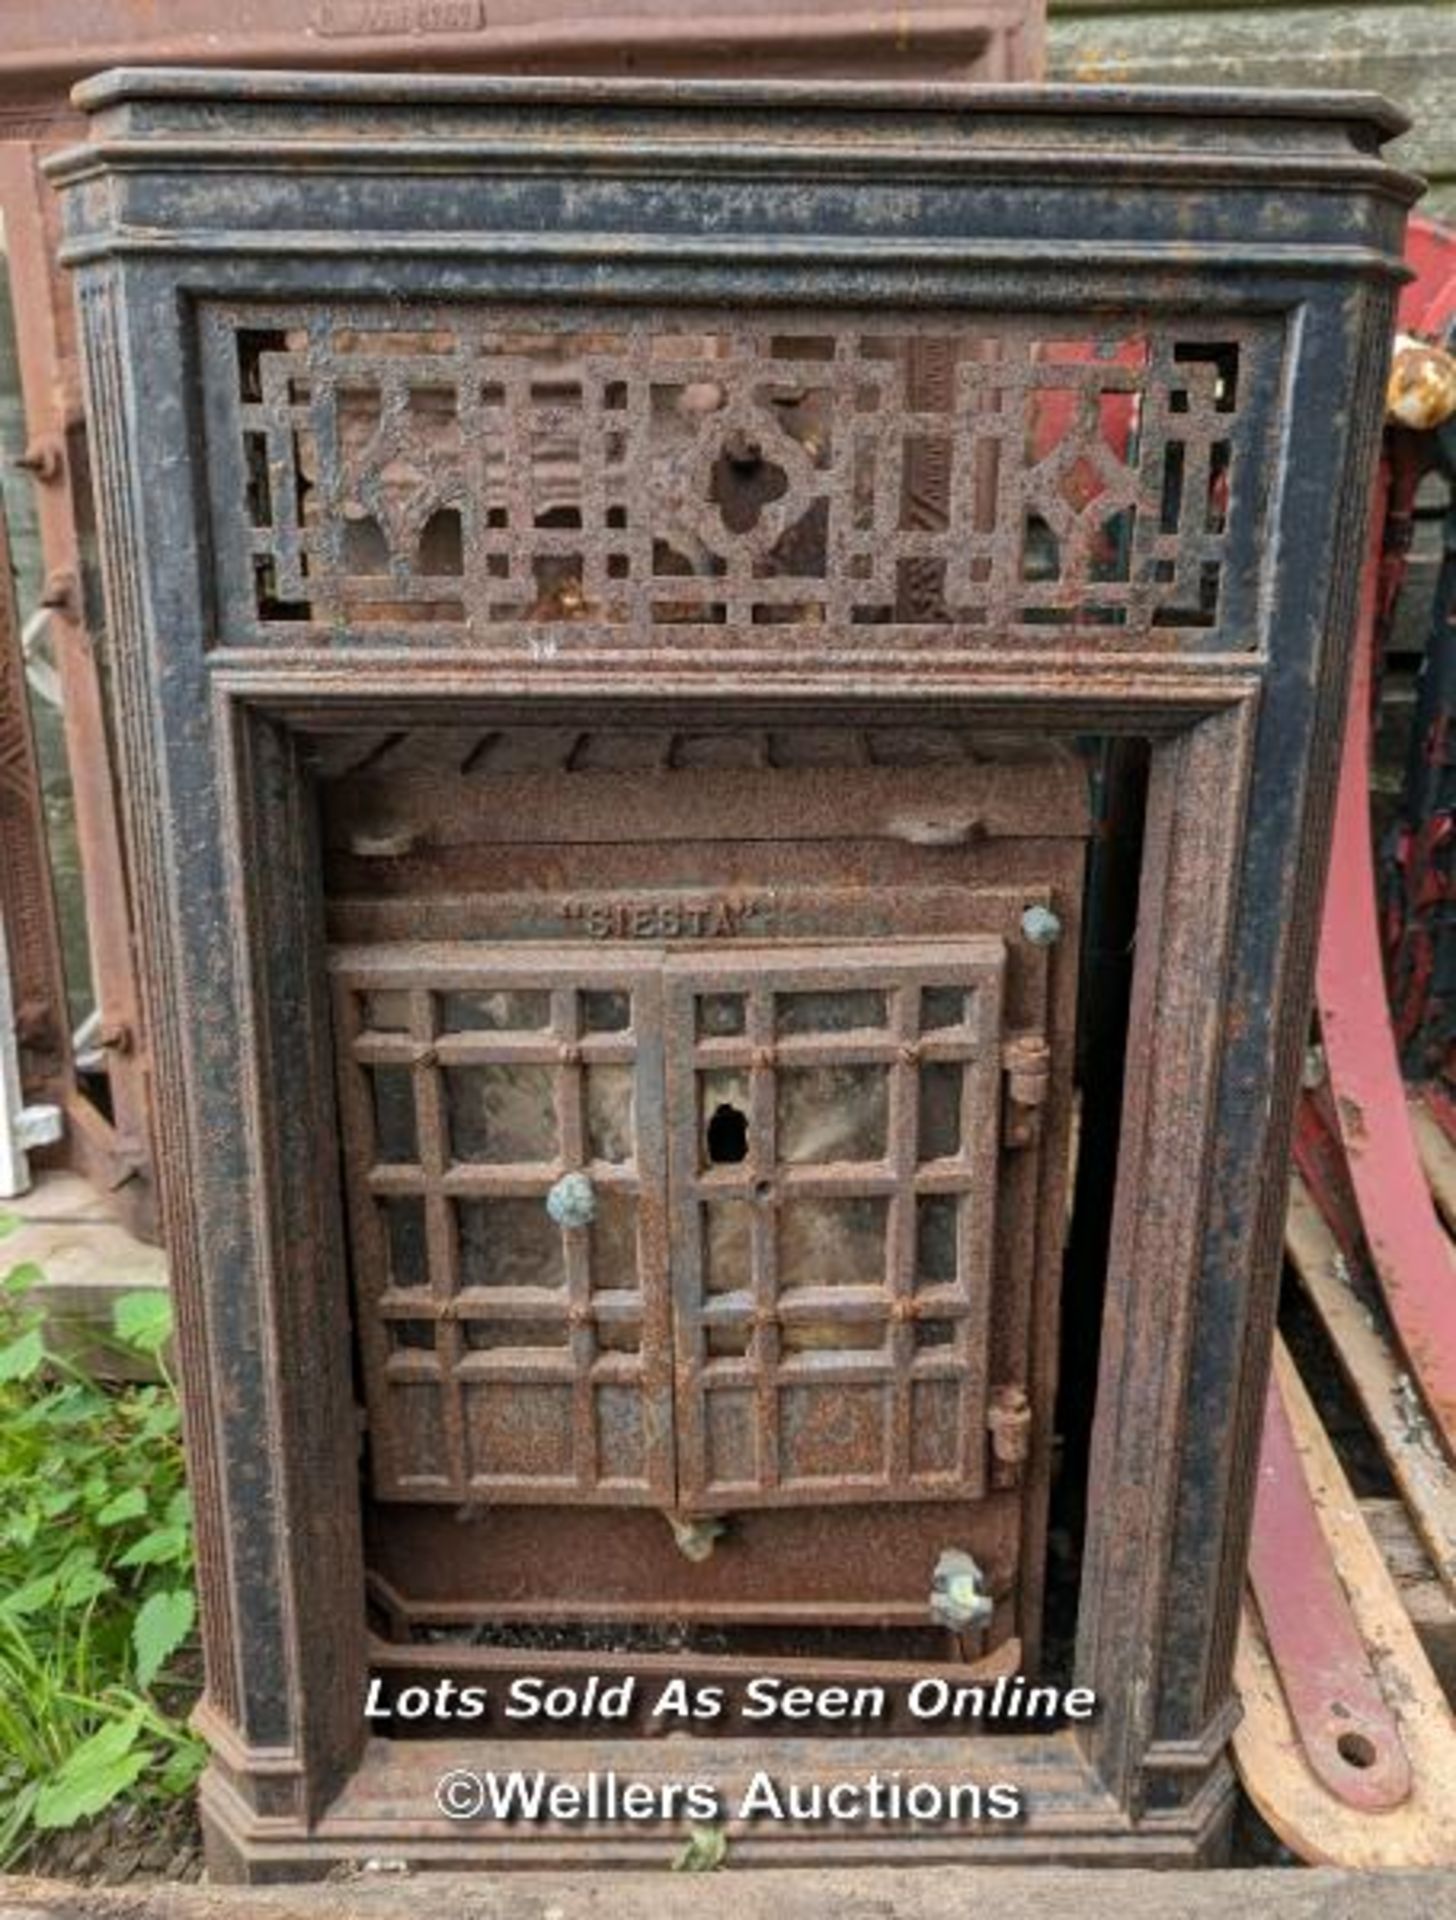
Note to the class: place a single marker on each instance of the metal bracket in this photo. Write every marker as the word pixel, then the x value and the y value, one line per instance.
pixel 1028 1065
pixel 1009 1419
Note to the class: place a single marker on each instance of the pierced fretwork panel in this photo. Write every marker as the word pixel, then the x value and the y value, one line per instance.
pixel 834 1135
pixel 507 1357
pixel 462 475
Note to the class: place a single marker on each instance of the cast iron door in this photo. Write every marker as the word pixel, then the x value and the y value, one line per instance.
pixel 787 1302
pixel 833 1159
pixel 507 1357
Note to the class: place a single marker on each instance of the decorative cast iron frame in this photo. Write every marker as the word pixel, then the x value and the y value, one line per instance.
pixel 295 188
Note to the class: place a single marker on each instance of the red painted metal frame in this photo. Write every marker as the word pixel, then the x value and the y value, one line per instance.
pixel 109 1148
pixel 1422 858
pixel 1429 301
pixel 1349 1735
pixel 1408 1249
pixel 1354 1147
pixel 1409 974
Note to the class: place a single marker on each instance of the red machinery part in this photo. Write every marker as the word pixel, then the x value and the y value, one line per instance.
pixel 1408 1248
pixel 1366 1097
pixel 1354 1146
pixel 1348 1733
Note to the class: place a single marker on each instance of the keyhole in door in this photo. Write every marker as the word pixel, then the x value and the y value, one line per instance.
pixel 727 1136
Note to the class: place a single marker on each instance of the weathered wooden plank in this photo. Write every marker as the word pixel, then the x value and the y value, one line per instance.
pixel 1430 1607
pixel 1384 1391
pixel 1086 8
pixel 1404 51
pixel 1438 1158
pixel 1271 1760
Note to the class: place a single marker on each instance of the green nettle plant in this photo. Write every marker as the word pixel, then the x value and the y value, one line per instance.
pixel 97 1608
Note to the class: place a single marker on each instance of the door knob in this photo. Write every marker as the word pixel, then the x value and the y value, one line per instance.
pixel 572 1201
pixel 958 1596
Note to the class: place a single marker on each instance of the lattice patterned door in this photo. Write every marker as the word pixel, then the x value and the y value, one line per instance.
pixel 820 1329
pixel 835 1125
pixel 507 1357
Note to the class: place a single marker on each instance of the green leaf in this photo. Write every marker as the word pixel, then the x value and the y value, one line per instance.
pixel 155 1549
pixel 30 1598
pixel 69 1406
pixel 94 1775
pixel 183 1766
pixel 144 1320
pixel 159 1629
pixel 10 1223
pixel 22 1278
pixel 130 1504
pixel 704 1851
pixel 86 1583
pixel 159 1422
pixel 22 1357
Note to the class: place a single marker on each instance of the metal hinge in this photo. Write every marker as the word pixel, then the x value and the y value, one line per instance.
pixel 1008 1418
pixel 1027 1061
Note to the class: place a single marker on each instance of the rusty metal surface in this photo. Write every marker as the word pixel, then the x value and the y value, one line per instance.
pixel 1349 1734
pixel 1196 224
pixel 827 1566
pixel 110 1147
pixel 833 1285
pixel 507 1357
pixel 845 1286
pixel 426 475
pixel 48 48
pixel 42 1028
pixel 487 1118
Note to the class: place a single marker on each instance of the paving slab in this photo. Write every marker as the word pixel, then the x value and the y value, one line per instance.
pixel 87 1261
pixel 931 1893
pixel 67 1229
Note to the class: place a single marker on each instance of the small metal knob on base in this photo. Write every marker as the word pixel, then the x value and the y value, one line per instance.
pixel 958 1596
pixel 572 1202
pixel 696 1536
pixel 1041 926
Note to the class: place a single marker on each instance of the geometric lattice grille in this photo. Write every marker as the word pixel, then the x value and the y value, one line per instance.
pixel 834 1138
pixel 654 481
pixel 506 1357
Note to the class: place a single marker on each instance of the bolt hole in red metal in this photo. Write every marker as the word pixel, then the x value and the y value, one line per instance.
pixel 1357 1750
